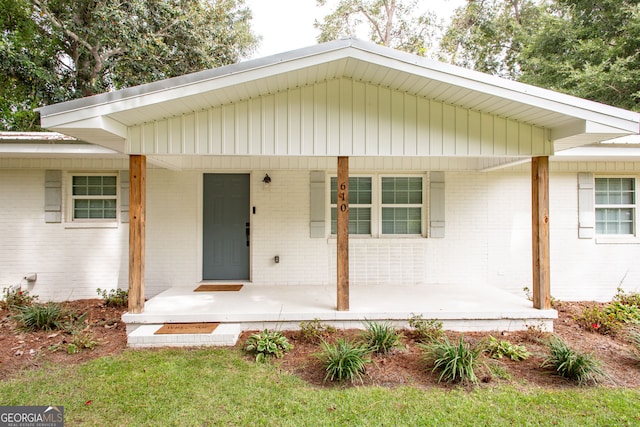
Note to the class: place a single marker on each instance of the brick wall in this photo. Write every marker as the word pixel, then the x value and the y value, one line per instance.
pixel 487 239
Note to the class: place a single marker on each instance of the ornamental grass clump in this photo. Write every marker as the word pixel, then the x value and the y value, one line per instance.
pixel 571 364
pixel 266 344
pixel 456 362
pixel 344 361
pixel 381 337
pixel 41 317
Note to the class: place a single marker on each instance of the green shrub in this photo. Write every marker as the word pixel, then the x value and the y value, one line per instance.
pixel 456 362
pixel 344 360
pixel 426 330
pixel 114 297
pixel 381 337
pixel 499 348
pixel 315 331
pixel 627 298
pixel 45 317
pixel 14 299
pixel 623 313
pixel 596 319
pixel 267 344
pixel 572 365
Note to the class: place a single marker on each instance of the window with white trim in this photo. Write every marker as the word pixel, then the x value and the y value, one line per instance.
pixel 382 205
pixel 94 197
pixel 360 201
pixel 401 205
pixel 615 205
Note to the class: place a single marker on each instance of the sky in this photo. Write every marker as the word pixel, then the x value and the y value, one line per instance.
pixel 288 24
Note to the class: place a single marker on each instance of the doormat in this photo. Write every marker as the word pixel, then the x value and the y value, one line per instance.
pixel 186 328
pixel 216 288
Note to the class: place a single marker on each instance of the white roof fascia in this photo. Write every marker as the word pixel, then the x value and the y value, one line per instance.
pixel 53 149
pixel 598 152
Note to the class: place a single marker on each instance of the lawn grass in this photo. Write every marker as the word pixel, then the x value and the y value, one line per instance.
pixel 210 387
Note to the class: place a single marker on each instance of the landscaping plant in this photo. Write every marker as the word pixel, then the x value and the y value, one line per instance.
pixel 114 297
pixel 314 331
pixel 571 364
pixel 627 298
pixel 596 319
pixel 45 317
pixel 14 299
pixel 344 360
pixel 267 344
pixel 426 330
pixel 381 337
pixel 499 348
pixel 456 362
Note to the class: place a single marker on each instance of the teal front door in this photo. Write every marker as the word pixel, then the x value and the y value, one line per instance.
pixel 225 227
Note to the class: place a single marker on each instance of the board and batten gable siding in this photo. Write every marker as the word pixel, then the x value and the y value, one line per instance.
pixel 339 117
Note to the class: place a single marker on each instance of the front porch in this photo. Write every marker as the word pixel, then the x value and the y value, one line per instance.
pixel 459 307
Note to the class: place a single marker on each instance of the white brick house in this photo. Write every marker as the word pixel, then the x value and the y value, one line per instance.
pixel 439 166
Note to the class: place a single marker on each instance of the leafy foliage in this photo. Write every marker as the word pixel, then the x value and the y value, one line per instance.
pixel 314 330
pixel 114 297
pixel 344 360
pixel 499 348
pixel 456 362
pixel 588 49
pixel 14 299
pixel 597 319
pixel 426 329
pixel 56 50
pixel 489 36
pixel 627 298
pixel 81 341
pixel 381 337
pixel 572 365
pixel 267 344
pixel 392 23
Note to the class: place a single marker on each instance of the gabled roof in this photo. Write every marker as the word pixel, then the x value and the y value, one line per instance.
pixel 571 121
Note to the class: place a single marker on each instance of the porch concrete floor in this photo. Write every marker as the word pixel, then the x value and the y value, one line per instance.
pixel 463 308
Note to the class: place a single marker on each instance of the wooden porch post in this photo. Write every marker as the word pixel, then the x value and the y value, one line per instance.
pixel 343 234
pixel 137 214
pixel 540 232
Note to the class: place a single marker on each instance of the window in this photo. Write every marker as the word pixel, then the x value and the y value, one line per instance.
pixel 615 205
pixel 359 205
pixel 401 205
pixel 382 205
pixel 93 197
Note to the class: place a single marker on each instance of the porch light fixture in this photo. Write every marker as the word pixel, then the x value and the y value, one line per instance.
pixel 266 179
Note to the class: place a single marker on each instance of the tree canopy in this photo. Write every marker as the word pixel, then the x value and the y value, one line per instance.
pixel 56 50
pixel 392 23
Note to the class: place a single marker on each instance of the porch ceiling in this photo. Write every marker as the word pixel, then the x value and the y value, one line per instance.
pixel 104 119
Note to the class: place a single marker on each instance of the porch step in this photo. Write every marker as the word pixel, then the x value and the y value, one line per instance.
pixel 226 334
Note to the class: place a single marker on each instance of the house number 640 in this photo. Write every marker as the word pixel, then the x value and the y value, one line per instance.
pixel 343 205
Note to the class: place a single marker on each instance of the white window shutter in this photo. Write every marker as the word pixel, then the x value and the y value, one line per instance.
pixel 586 208
pixel 317 204
pixel 436 204
pixel 124 196
pixel 53 196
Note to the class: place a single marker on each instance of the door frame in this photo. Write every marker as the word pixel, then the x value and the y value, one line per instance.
pixel 200 226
